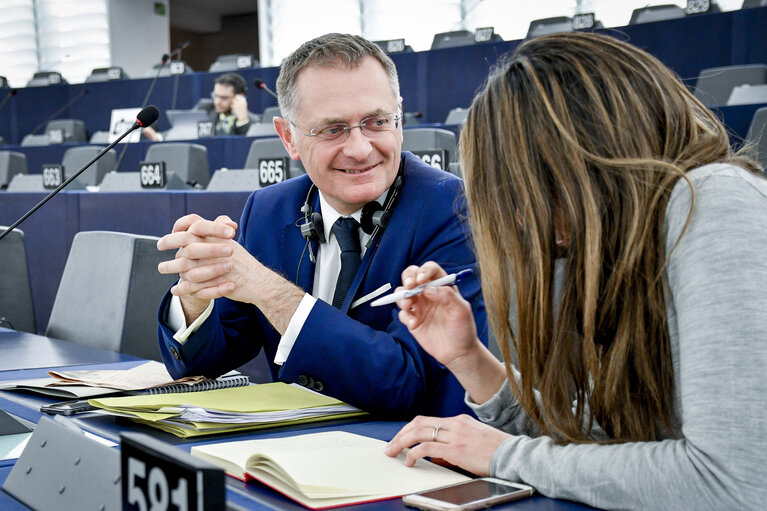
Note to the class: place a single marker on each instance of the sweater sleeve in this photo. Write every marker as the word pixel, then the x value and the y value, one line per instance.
pixel 717 311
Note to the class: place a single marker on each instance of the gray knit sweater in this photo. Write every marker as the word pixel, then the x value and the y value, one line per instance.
pixel 717 312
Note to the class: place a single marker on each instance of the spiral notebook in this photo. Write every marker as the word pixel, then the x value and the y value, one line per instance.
pixel 223 382
pixel 147 378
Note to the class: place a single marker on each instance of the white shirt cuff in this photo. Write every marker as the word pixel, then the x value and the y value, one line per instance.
pixel 288 339
pixel 177 320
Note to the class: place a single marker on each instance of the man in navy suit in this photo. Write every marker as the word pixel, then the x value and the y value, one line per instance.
pixel 273 290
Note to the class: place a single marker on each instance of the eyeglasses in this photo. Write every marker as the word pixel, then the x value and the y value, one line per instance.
pixel 216 96
pixel 369 126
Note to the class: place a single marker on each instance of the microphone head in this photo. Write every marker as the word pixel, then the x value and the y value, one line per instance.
pixel 13 92
pixel 84 92
pixel 259 83
pixel 147 116
pixel 165 58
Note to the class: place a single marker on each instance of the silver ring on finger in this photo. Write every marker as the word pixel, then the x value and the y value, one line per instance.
pixel 435 432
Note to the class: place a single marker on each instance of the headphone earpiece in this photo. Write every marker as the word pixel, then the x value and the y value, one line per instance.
pixel 374 215
pixel 313 229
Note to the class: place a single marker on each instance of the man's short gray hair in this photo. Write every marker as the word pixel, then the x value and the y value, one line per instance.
pixel 343 50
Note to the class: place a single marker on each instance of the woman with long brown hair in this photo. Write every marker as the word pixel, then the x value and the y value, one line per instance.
pixel 643 384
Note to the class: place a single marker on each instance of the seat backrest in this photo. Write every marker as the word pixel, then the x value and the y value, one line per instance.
pixel 233 62
pixel 238 180
pixel 757 135
pixel 131 182
pixel 748 95
pixel 457 116
pixel 76 157
pixel 430 139
pixel 553 25
pixel 34 183
pixel 34 140
pixel 73 130
pixel 452 39
pixel 45 78
pixel 11 163
pixel 656 13
pixel 715 84
pixel 16 306
pixel 187 161
pixel 110 292
pixel 105 74
pixel 272 148
pixel 269 113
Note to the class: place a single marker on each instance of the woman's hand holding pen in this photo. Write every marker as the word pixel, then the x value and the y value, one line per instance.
pixel 443 324
pixel 439 318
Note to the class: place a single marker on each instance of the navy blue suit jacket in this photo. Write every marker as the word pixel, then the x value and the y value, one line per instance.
pixel 364 356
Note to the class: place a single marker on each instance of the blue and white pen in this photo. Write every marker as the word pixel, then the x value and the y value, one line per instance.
pixel 447 280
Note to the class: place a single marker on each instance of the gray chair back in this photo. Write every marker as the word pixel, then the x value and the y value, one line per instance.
pixel 656 13
pixel 429 139
pixel 546 26
pixel 76 157
pixel 271 148
pixel 233 62
pixel 237 180
pixel 34 183
pixel 457 116
pixel 72 129
pixel 269 113
pixel 187 161
pixel 131 182
pixel 11 163
pixel 110 292
pixel 16 306
pixel 452 39
pixel 715 84
pixel 748 95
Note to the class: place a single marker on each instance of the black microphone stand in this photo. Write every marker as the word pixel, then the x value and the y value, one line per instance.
pixel 164 59
pixel 7 98
pixel 69 180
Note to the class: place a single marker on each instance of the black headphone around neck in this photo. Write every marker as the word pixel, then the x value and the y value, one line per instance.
pixel 373 220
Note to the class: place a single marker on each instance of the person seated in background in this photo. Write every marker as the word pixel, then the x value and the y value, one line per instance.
pixel 311 255
pixel 229 115
pixel 643 384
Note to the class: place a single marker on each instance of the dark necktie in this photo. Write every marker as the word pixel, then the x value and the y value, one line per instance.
pixel 348 239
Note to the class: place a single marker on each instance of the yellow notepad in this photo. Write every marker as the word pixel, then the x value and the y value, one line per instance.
pixel 227 410
pixel 329 469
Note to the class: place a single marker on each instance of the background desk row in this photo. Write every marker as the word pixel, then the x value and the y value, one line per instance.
pixel 431 82
pixel 20 348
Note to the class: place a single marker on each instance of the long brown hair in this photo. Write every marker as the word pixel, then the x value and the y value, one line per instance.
pixel 584 134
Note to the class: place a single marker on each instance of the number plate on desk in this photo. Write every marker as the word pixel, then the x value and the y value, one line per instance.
pixel 272 170
pixel 157 476
pixel 53 176
pixel 152 174
pixel 433 157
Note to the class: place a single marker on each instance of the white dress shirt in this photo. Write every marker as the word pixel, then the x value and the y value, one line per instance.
pixel 325 275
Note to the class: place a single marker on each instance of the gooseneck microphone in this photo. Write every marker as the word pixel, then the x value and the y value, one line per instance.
pixel 165 58
pixel 57 112
pixel 145 117
pixel 7 98
pixel 261 85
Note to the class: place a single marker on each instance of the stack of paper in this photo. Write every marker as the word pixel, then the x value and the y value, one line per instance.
pixel 227 410
pixel 99 382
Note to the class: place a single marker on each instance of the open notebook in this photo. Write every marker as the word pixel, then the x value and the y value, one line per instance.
pixel 328 469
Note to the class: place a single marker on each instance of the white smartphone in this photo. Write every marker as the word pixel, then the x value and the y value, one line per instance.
pixel 474 494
